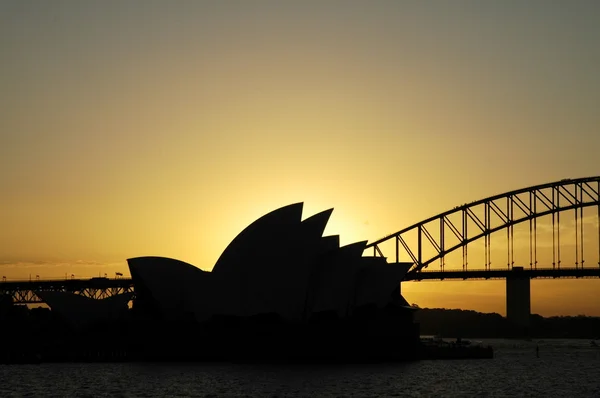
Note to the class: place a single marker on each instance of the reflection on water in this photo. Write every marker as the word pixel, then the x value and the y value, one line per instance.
pixel 564 368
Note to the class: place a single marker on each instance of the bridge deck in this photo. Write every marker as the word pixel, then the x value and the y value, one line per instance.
pixel 503 274
pixel 104 283
pixel 66 284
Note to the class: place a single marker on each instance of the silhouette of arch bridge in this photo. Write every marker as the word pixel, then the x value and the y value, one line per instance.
pixel 551 230
pixel 544 231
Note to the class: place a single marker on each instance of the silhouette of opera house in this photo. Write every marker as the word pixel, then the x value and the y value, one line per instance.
pixel 280 288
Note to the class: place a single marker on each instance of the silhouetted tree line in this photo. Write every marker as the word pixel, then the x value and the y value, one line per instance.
pixel 473 324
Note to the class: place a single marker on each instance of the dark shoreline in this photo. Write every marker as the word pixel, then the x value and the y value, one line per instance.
pixel 454 323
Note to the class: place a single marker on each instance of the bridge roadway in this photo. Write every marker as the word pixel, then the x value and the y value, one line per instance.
pixel 505 273
pixel 77 285
pixel 69 285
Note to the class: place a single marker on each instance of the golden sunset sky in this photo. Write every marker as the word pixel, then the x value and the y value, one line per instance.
pixel 164 128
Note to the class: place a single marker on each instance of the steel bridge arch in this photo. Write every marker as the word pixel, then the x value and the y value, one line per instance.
pixel 519 206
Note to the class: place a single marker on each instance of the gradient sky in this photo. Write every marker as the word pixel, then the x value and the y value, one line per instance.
pixel 164 128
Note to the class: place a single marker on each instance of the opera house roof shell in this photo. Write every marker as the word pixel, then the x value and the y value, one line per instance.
pixel 280 264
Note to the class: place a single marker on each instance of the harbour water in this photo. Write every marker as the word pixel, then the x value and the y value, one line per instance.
pixel 564 368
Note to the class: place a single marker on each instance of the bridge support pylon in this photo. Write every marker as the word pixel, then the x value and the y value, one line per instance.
pixel 518 301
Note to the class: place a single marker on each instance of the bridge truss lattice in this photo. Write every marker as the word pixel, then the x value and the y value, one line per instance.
pixel 433 239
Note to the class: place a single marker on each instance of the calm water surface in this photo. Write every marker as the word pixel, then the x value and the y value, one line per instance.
pixel 569 368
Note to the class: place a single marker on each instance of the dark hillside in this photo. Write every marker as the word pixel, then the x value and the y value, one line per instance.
pixel 466 323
